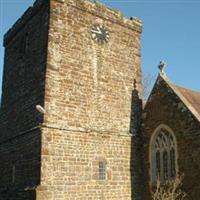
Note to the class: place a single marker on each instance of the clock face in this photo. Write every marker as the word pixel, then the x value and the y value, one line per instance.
pixel 100 34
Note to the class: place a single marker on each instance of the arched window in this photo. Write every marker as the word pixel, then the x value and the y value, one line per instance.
pixel 163 154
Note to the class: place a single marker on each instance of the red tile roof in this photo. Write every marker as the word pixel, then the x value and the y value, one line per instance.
pixel 193 97
pixel 190 98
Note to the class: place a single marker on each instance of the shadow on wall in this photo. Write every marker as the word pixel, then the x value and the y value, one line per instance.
pixel 138 172
pixel 30 195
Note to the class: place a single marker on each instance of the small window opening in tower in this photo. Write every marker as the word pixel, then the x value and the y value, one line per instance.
pixel 13 173
pixel 24 44
pixel 102 170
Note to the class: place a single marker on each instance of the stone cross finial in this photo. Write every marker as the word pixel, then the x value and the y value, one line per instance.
pixel 161 66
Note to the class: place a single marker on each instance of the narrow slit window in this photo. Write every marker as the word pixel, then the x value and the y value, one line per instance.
pixel 13 173
pixel 24 45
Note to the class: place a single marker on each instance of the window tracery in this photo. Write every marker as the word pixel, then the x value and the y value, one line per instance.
pixel 163 155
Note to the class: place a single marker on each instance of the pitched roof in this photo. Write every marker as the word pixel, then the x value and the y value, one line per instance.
pixel 193 97
pixel 190 98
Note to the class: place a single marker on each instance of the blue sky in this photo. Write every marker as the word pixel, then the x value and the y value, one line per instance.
pixel 171 32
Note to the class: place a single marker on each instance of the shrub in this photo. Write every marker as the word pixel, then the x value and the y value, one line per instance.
pixel 170 190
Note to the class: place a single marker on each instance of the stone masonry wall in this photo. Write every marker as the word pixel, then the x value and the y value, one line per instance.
pixel 22 195
pixel 88 103
pixel 70 165
pixel 22 153
pixel 164 108
pixel 88 92
pixel 23 89
pixel 88 85
pixel 24 72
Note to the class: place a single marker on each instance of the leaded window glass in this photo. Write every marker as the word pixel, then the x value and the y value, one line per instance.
pixel 165 165
pixel 158 164
pixel 172 163
pixel 102 170
pixel 163 155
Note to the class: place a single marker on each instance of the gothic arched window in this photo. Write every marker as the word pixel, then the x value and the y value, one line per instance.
pixel 163 154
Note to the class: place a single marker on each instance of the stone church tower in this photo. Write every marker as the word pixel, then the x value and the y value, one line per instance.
pixel 78 60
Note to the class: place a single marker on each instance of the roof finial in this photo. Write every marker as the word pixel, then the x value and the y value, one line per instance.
pixel 162 66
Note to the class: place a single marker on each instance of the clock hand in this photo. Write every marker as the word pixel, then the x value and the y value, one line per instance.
pixel 98 29
pixel 98 32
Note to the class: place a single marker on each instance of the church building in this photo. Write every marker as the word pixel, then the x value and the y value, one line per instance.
pixel 171 127
pixel 72 123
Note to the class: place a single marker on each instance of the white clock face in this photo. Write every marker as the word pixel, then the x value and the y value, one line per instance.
pixel 100 34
